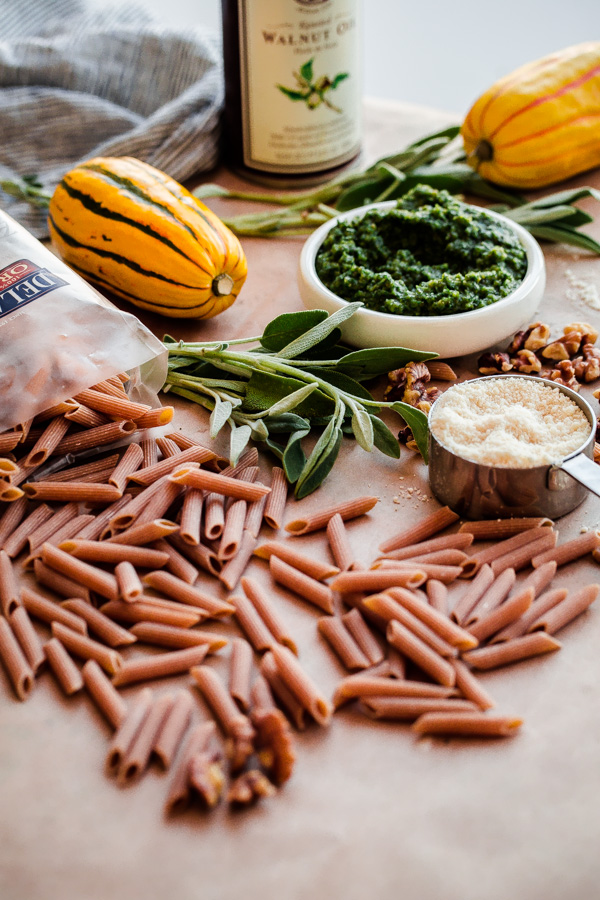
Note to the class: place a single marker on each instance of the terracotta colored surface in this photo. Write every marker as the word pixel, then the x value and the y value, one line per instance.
pixel 370 811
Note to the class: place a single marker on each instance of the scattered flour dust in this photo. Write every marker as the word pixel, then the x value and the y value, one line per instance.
pixel 582 291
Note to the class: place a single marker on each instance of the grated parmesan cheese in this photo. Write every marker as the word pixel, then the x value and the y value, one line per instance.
pixel 510 422
pixel 582 291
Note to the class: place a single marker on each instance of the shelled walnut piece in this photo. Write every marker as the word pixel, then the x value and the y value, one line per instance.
pixel 409 385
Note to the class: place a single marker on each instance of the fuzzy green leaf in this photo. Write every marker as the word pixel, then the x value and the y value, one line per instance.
pixel 264 389
pixel 219 416
pixel 417 422
pixel 294 457
pixel 289 326
pixel 318 333
pixel 362 428
pixel 383 438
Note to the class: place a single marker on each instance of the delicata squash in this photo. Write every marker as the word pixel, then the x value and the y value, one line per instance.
pixel 131 229
pixel 541 123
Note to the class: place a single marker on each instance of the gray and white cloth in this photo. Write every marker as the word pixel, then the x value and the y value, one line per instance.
pixel 78 82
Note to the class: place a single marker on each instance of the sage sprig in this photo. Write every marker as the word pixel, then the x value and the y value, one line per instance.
pixel 296 380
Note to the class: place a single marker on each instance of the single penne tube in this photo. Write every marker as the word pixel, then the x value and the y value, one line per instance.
pixel 177 638
pixel 126 514
pixel 14 661
pixel 503 615
pixel 254 515
pixel 96 529
pixel 16 541
pixel 497 529
pixel 48 611
pixel 252 624
pixel 365 685
pixel 568 609
pixel 11 518
pixel 150 451
pixel 540 605
pixel 69 529
pixel 570 551
pixel 217 697
pixel 129 586
pixel 261 696
pixel 105 696
pixel 439 520
pixel 233 530
pixel 9 493
pixel 301 685
pixel 167 447
pixel 9 440
pixel 65 671
pixel 149 474
pixel 146 533
pixel 470 686
pixel 9 468
pixel 204 480
pixel 95 437
pixel 92 471
pixel 59 584
pixel 240 670
pixel 177 564
pixel 503 547
pixel 48 440
pixel 108 552
pixel 9 592
pixel 342 643
pixel 493 597
pixel 289 554
pixel 179 590
pixel 107 631
pixel 293 708
pixel 191 515
pixel 41 534
pixel 143 611
pixel 234 568
pixel 467 724
pixel 518 559
pixel 129 463
pixel 197 740
pixel 276 500
pixel 395 662
pixel 137 757
pixel 447 629
pixel 364 637
pixel 444 542
pixel 268 613
pixel 86 648
pixel 159 503
pixel 173 728
pixel 214 516
pixel 86 417
pixel 447 557
pixel 28 638
pixel 201 556
pixel 407 642
pixel 177 662
pixel 437 595
pixel 113 406
pixel 410 708
pixel 154 418
pixel 339 544
pixel 349 509
pixel 495 655
pixel 303 585
pixel 445 574
pixel 473 593
pixel 540 578
pixel 391 610
pixel 378 579
pixel 244 473
pixel 112 386
pixel 103 583
pixel 124 736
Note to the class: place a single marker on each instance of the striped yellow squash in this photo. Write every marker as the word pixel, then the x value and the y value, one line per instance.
pixel 131 229
pixel 541 123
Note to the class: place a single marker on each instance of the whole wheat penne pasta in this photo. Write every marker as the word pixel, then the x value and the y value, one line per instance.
pixel 48 611
pixel 350 509
pixel 300 684
pixel 129 463
pixel 107 552
pixel 129 727
pixel 9 440
pixel 8 469
pixel 404 640
pixel 540 578
pixel 143 611
pixel 363 636
pixel 137 757
pixel 110 405
pixel 162 665
pixel 276 500
pixel 11 518
pixel 107 631
pixel 261 696
pixel 129 586
pixel 197 740
pixel 220 702
pixel 9 592
pixel 86 648
pixel 214 516
pixel 185 593
pixel 289 554
pixel 146 533
pixel 503 615
pixel 497 529
pixel 437 594
pixel 150 451
pixel 269 615
pixel 233 530
pixel 244 473
pixel 154 418
pixel 493 597
pixel 254 515
pixel 446 574
pixel 150 474
pixel 537 609
pixel 473 593
pixel 105 696
pixel 191 515
pixel 59 584
pixel 49 439
pixel 390 609
pixel 502 548
pixel 112 386
pixel 9 493
pixel 443 626
pixel 86 417
pixel 378 579
pixel 219 484
pixel 447 557
pixel 240 669
pixel 16 542
pixel 95 437
pixel 444 542
pixel 252 624
pixel 524 556
pixel 173 728
pixel 303 585
pixel 167 447
pixel 410 708
pixel 234 568
pixel 569 551
pixel 64 491
pixel 14 661
pixel 248 459
pixel 342 643
pixel 568 609
pixel 177 638
pixel 470 686
pixel 467 724
pixel 437 521
pixel 41 534
pixel 89 576
pixel 294 710
pixel 495 655
pixel 365 685
pixel 65 671
pixel 23 429
pixel 96 529
pixel 159 503
pixel 201 556
pixel 126 515
pixel 339 543
pixel 28 638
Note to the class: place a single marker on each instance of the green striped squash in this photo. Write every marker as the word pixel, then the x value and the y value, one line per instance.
pixel 132 230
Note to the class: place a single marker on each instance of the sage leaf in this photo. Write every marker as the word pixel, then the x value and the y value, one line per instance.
pixel 375 361
pixel 264 389
pixel 238 442
pixel 294 458
pixel 417 422
pixel 289 326
pixel 316 334
pixel 219 416
pixel 563 234
pixel 533 216
pixel 362 428
pixel 341 381
pixel 286 404
pixel 286 423
pixel 561 197
pixel 384 439
pixel 320 464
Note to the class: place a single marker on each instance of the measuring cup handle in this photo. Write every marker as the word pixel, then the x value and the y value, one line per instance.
pixel 583 470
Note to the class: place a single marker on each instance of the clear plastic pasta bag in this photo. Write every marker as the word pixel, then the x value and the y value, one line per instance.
pixel 58 335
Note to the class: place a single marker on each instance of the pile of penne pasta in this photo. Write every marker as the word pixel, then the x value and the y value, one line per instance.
pixel 103 545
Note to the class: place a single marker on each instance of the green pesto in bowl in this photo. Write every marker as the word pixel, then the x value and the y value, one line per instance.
pixel 431 255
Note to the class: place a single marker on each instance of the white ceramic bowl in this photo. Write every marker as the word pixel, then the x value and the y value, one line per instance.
pixel 452 335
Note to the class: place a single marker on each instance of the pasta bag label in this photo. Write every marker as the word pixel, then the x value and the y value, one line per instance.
pixel 22 282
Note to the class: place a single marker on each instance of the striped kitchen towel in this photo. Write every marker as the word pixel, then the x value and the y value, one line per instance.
pixel 78 81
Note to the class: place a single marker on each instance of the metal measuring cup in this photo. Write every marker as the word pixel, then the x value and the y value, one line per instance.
pixel 477 491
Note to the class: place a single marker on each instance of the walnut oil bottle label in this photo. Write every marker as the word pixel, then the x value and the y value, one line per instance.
pixel 300 81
